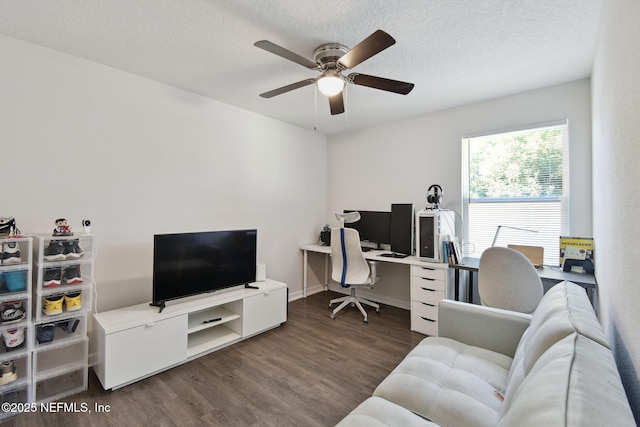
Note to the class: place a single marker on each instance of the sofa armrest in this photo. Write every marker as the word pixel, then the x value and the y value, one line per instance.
pixel 487 327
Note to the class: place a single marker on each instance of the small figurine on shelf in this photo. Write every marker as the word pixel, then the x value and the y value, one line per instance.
pixel 62 228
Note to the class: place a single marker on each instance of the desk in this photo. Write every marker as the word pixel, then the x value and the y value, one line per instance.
pixel 549 276
pixel 429 283
pixel 373 255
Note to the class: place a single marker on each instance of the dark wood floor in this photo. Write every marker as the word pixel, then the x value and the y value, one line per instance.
pixel 311 371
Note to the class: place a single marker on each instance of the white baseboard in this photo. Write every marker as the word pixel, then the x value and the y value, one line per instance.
pixel 365 293
pixel 405 305
pixel 310 291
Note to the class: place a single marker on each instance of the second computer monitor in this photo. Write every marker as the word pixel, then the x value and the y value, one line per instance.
pixel 402 228
pixel 374 226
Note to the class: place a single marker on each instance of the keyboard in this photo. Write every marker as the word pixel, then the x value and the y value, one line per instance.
pixel 394 255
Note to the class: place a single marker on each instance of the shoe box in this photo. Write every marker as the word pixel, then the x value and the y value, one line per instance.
pixel 60 369
pixel 13 310
pixel 14 380
pixel 62 384
pixel 11 252
pixel 14 338
pixel 13 394
pixel 58 303
pixel 60 330
pixel 13 275
pixel 14 326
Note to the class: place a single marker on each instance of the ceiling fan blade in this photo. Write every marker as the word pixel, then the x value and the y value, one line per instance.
pixel 375 43
pixel 287 88
pixel 381 83
pixel 285 53
pixel 336 104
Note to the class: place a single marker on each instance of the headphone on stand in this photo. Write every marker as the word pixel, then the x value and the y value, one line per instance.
pixel 435 197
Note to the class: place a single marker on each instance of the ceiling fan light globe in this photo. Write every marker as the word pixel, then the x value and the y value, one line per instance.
pixel 330 85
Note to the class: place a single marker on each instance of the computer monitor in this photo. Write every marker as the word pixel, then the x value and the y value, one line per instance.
pixel 401 234
pixel 373 226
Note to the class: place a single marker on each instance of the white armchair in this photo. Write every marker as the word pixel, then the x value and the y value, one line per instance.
pixel 508 280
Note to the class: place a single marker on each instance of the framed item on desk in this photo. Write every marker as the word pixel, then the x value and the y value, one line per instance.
pixel 578 250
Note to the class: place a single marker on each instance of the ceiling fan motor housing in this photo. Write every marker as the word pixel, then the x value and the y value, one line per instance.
pixel 328 54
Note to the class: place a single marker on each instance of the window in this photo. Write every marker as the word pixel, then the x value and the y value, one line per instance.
pixel 518 180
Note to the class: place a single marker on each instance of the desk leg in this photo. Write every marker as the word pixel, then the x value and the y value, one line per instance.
pixel 590 295
pixel 304 273
pixel 456 284
pixel 470 288
pixel 326 272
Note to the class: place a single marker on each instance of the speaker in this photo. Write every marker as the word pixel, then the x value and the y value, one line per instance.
pixel 325 238
pixel 261 272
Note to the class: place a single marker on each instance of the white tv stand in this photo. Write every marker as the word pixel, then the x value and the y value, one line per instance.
pixel 137 342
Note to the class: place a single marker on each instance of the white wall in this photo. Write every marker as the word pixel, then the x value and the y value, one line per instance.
pixel 616 155
pixel 82 140
pixel 396 163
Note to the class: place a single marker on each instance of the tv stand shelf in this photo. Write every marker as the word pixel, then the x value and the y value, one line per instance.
pixel 203 341
pixel 210 318
pixel 136 342
pixel 213 328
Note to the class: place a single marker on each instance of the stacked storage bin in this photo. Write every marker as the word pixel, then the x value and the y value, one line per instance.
pixel 16 387
pixel 62 298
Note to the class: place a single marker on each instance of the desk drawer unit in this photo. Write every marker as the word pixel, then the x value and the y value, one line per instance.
pixel 428 287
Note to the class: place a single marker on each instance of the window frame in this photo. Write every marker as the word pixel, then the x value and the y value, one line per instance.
pixel 469 247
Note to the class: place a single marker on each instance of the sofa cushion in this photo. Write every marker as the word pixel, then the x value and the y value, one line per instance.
pixel 565 307
pixel 450 383
pixel 563 310
pixel 574 383
pixel 378 412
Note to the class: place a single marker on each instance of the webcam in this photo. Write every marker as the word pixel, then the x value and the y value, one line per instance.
pixel 87 225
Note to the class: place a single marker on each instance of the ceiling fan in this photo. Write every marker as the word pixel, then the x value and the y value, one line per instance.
pixel 331 59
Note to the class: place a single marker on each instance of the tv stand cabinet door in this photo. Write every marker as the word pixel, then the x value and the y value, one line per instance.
pixel 264 311
pixel 138 352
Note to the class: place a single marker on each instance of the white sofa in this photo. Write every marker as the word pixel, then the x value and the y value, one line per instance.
pixel 492 367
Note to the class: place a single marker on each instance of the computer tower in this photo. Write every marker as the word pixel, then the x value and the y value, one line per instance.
pixel 432 227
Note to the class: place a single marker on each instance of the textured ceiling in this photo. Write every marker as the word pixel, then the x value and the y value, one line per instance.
pixel 455 51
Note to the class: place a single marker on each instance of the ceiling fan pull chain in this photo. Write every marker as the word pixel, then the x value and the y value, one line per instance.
pixel 315 108
pixel 346 105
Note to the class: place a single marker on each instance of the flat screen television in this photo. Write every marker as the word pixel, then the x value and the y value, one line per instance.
pixel 188 264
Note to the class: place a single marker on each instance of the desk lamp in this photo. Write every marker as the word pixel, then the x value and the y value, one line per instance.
pixel 495 238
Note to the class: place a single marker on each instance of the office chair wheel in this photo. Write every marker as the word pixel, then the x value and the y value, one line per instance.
pixel 366 320
pixel 333 316
pixel 377 310
pixel 330 305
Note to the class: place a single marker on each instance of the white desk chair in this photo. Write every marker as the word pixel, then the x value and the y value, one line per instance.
pixel 349 267
pixel 508 280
